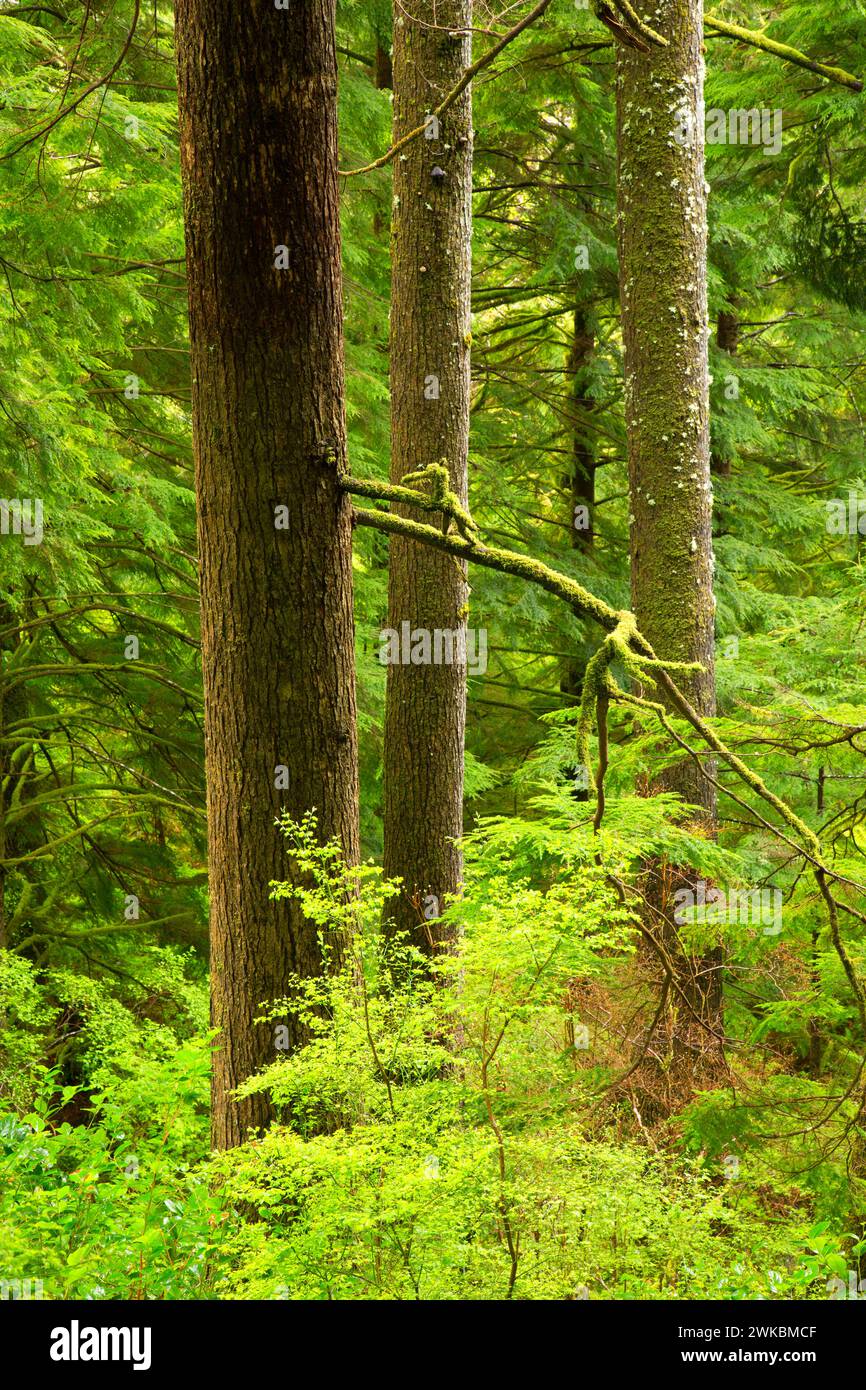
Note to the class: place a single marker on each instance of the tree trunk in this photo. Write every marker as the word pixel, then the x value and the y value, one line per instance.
pixel 384 76
pixel 663 290
pixel 257 95
pixel 728 339
pixel 430 385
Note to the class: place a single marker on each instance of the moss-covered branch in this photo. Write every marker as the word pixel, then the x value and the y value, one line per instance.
pixel 783 51
pixel 636 25
pixel 581 600
pixel 623 643
pixel 441 497
pixel 814 854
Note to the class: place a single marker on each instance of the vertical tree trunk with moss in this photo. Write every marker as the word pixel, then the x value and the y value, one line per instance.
pixel 430 383
pixel 257 96
pixel 662 237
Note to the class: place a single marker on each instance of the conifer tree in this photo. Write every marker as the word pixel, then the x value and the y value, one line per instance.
pixel 259 158
pixel 662 230
pixel 430 383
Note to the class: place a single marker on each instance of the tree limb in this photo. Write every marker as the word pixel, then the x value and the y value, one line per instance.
pixel 783 51
pixel 478 66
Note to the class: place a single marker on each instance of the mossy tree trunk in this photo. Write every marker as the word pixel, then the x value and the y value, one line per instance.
pixel 430 386
pixel 662 235
pixel 257 95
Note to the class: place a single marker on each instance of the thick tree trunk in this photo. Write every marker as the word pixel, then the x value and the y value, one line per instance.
pixel 663 290
pixel 430 384
pixel 257 94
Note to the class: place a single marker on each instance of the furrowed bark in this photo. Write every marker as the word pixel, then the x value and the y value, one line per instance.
pixel 430 383
pixel 257 95
pixel 662 235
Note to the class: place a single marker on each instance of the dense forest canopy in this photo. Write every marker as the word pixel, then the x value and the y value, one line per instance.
pixel 432 692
